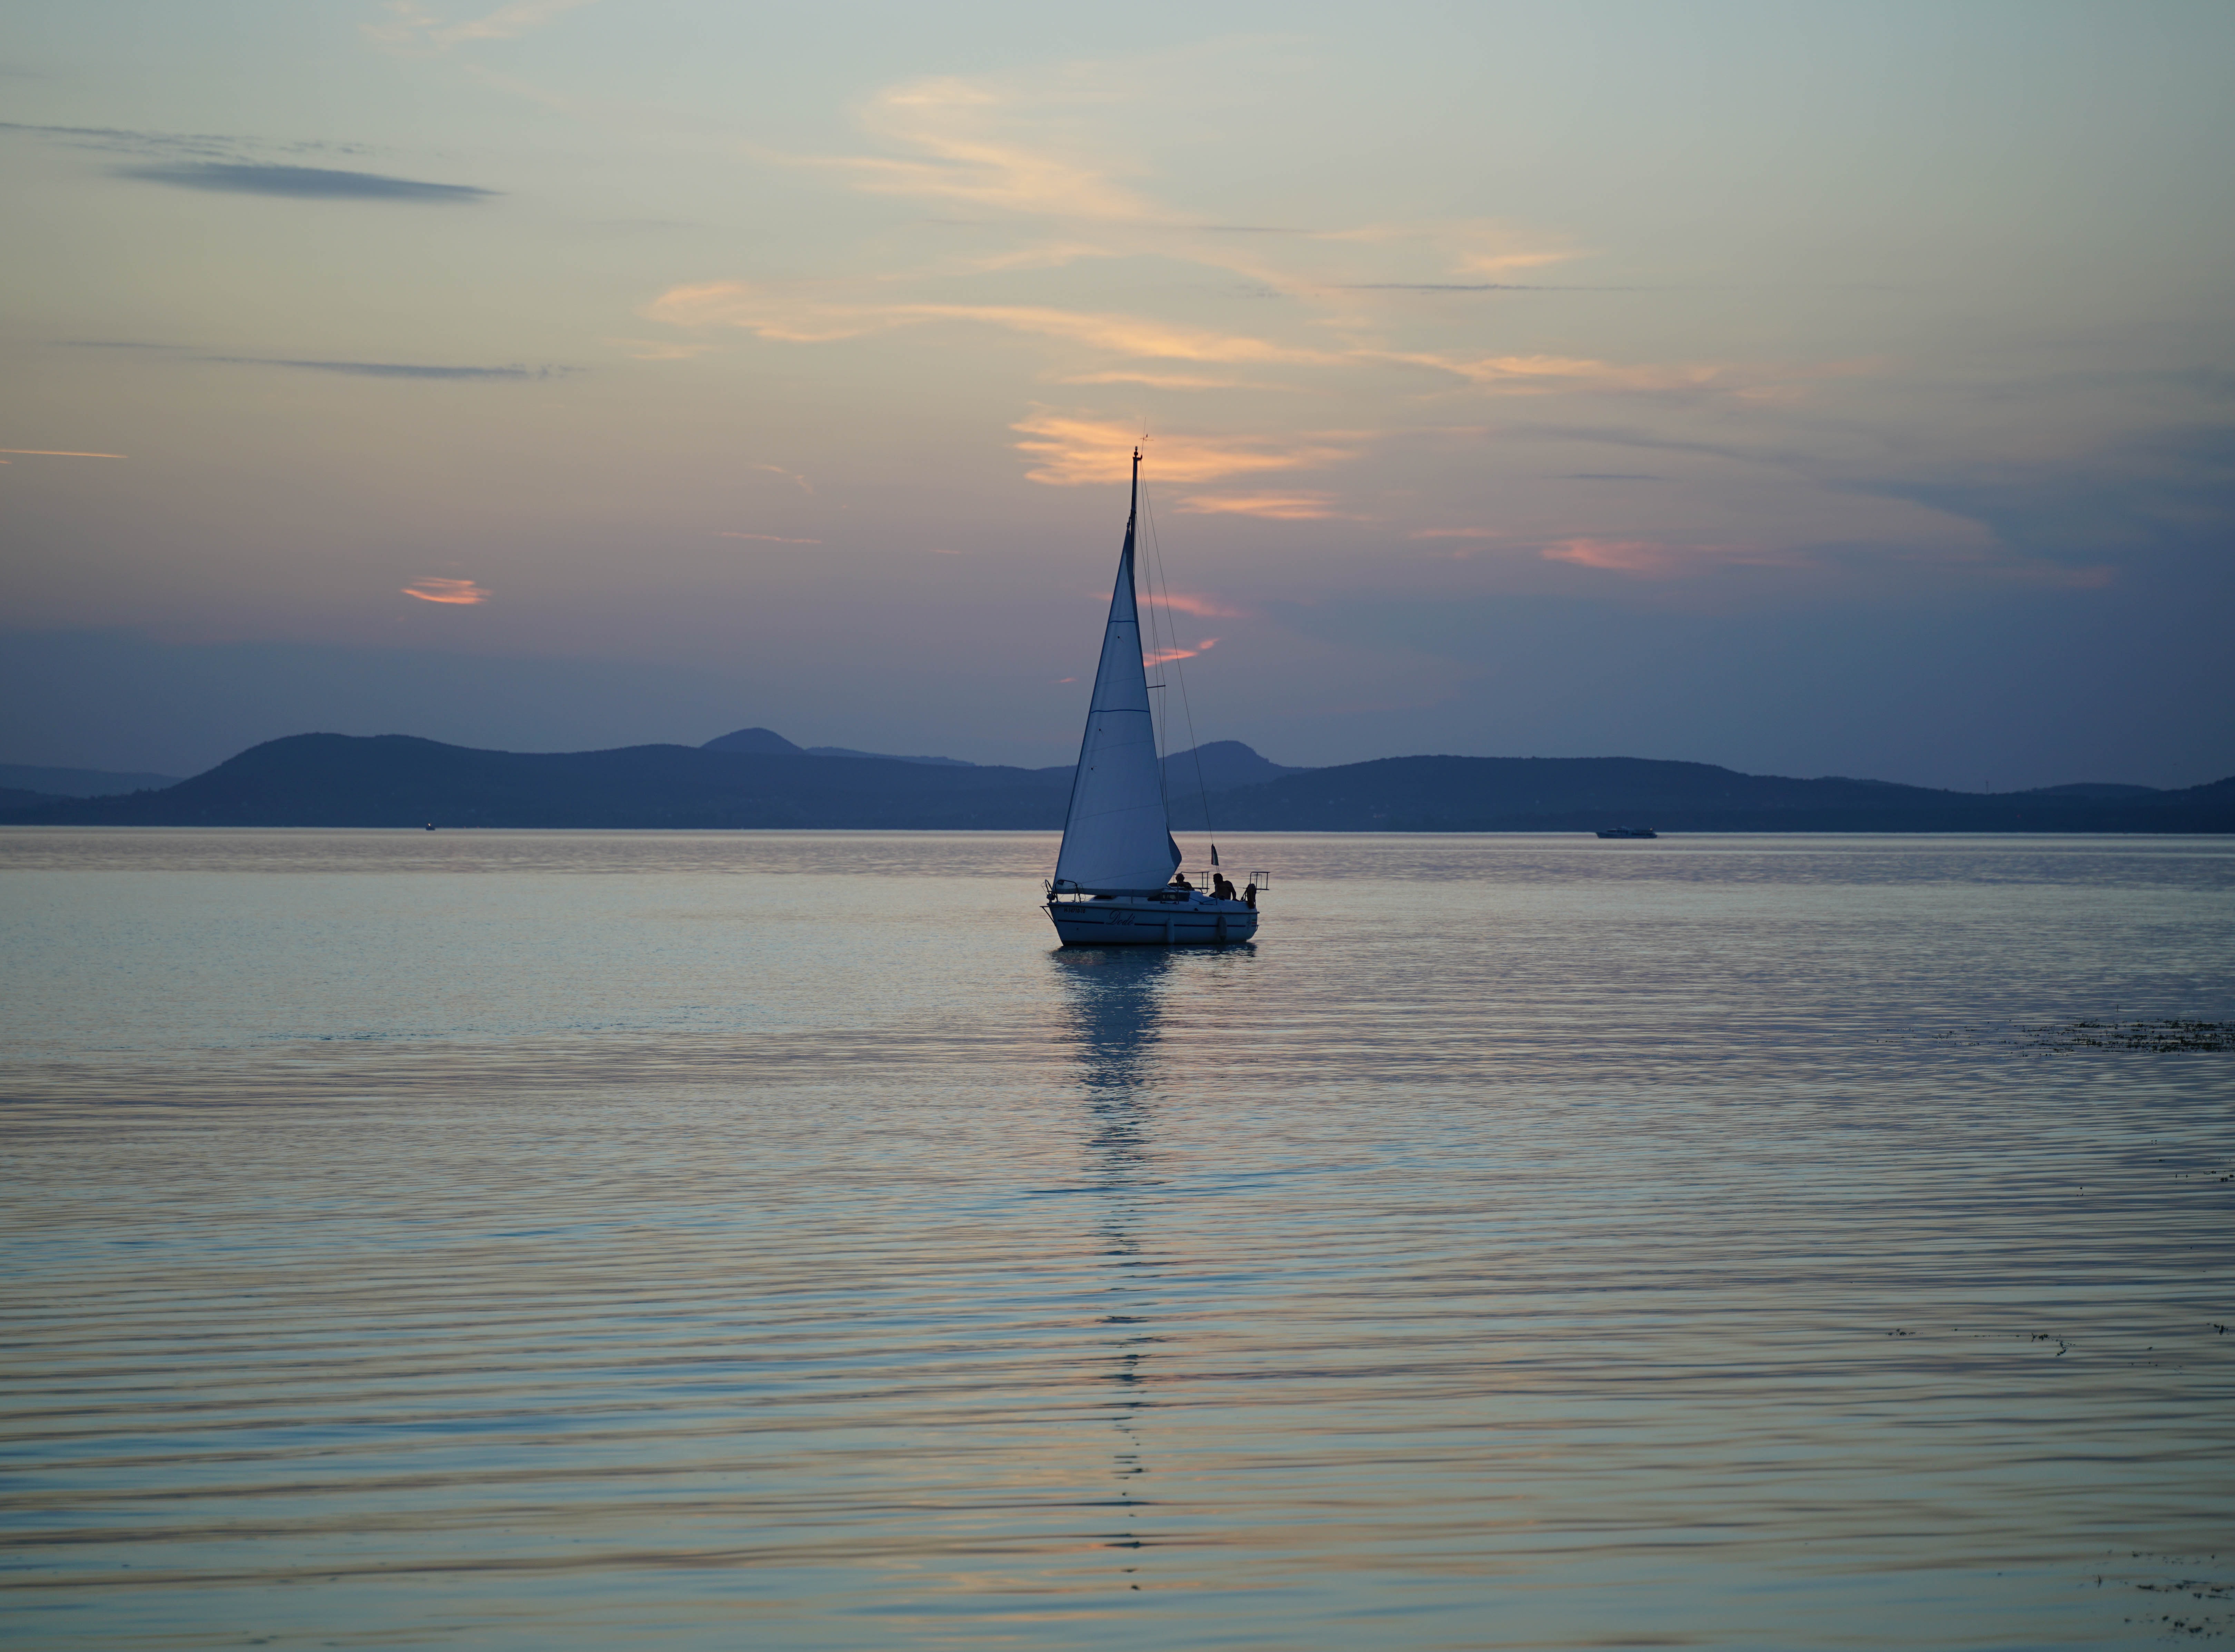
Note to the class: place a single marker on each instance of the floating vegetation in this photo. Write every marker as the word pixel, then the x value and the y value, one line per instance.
pixel 2160 1036
pixel 2207 1625
pixel 2173 1590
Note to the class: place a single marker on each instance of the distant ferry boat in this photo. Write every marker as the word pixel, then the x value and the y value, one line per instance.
pixel 1118 879
pixel 1629 831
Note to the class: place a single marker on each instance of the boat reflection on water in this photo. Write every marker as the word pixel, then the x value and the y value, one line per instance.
pixel 1114 1003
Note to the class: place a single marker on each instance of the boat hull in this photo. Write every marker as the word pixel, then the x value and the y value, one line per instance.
pixel 1152 923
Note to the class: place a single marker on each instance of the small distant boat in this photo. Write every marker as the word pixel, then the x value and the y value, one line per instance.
pixel 1629 831
pixel 430 825
pixel 1118 880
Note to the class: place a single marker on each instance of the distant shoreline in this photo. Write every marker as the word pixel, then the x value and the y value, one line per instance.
pixel 1577 833
pixel 401 782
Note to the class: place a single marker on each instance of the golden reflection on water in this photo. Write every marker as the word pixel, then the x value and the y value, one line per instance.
pixel 587 1240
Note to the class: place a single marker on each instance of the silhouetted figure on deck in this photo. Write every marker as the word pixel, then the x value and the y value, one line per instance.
pixel 1220 887
pixel 1249 897
pixel 1179 880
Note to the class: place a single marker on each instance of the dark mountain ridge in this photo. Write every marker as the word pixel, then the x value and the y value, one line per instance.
pixel 399 781
pixel 1584 794
pixel 1217 764
pixel 78 783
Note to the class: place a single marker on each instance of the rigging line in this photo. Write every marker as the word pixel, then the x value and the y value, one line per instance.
pixel 1160 722
pixel 1179 667
pixel 1157 714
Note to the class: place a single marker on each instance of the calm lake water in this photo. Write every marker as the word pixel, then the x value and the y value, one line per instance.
pixel 579 1239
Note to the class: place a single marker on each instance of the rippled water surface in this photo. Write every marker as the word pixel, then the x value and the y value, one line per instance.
pixel 666 1240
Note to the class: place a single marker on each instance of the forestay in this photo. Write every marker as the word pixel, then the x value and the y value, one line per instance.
pixel 1116 837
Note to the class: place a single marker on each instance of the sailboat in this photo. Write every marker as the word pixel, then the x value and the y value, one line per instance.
pixel 1117 879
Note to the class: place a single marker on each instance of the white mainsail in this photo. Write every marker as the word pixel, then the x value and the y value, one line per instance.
pixel 1116 838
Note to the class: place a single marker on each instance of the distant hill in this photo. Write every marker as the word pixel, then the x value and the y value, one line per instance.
pixel 395 780
pixel 888 757
pixel 1584 794
pixel 1224 763
pixel 765 743
pixel 78 783
pixel 2093 789
pixel 1196 777
pixel 15 797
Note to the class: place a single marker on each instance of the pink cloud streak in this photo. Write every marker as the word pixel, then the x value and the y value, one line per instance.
pixel 458 592
pixel 1165 656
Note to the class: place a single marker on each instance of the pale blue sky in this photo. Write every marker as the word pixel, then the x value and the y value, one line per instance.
pixel 1808 388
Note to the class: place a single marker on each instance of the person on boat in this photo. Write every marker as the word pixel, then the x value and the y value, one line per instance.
pixel 1249 897
pixel 1179 880
pixel 1220 887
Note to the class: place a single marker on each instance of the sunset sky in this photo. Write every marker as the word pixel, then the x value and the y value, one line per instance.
pixel 1813 388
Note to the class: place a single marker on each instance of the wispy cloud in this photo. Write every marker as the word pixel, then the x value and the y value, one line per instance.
pixel 771 539
pixel 1164 381
pixel 1047 181
pixel 1468 287
pixel 1165 656
pixel 300 183
pixel 1657 560
pixel 392 370
pixel 1626 555
pixel 661 349
pixel 1454 533
pixel 1070 451
pixel 118 140
pixel 452 592
pixel 355 369
pixel 1542 375
pixel 1277 507
pixel 1496 261
pixel 791 476
pixel 967 134
pixel 59 453
pixel 800 318
pixel 411 27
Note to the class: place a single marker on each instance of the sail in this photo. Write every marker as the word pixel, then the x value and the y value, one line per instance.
pixel 1115 836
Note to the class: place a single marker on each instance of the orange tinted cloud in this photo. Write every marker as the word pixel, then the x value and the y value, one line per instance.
pixel 1554 375
pixel 1165 656
pixel 1163 381
pixel 1628 555
pixel 799 319
pixel 772 539
pixel 59 453
pixel 1655 559
pixel 1545 375
pixel 1073 450
pixel 1277 507
pixel 461 592
pixel 1453 533
pixel 979 152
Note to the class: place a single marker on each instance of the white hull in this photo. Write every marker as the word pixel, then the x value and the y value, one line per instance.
pixel 1138 921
